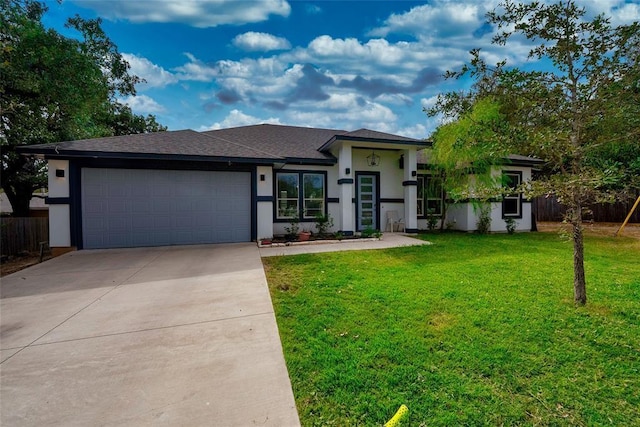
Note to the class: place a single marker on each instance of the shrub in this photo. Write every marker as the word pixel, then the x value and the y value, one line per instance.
pixel 511 225
pixel 323 224
pixel 484 220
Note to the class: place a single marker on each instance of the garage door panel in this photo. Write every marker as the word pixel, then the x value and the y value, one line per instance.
pixel 125 208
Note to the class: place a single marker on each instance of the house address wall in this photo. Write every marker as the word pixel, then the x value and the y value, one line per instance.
pixel 59 213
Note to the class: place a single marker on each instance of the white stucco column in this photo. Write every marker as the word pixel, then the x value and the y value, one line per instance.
pixel 59 212
pixel 346 183
pixel 264 193
pixel 410 184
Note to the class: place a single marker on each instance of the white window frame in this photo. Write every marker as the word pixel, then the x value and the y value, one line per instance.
pixel 301 199
pixel 515 196
pixel 423 202
pixel 320 199
pixel 280 212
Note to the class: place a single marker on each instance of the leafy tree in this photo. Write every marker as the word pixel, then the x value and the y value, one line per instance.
pixel 471 146
pixel 54 88
pixel 579 111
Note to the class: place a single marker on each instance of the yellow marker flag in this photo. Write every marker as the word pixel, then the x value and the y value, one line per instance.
pixel 400 414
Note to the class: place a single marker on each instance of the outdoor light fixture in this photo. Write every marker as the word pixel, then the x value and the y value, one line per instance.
pixel 373 159
pixel 347 171
pixel 59 173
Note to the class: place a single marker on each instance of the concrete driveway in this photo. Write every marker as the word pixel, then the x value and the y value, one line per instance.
pixel 149 336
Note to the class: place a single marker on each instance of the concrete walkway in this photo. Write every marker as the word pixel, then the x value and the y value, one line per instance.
pixel 180 336
pixel 389 240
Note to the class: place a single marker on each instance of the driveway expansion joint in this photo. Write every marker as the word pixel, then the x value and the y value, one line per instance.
pixel 202 322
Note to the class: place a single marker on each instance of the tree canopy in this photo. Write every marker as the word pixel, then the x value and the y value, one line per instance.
pixel 54 88
pixel 576 106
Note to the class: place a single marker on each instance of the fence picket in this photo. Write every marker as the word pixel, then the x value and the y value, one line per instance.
pixel 22 234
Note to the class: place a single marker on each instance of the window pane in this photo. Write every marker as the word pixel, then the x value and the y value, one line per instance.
pixel 367 205
pixel 313 186
pixel 313 194
pixel 287 195
pixel 287 208
pixel 313 207
pixel 366 180
pixel 434 188
pixel 434 206
pixel 511 206
pixel 366 189
pixel 420 196
pixel 288 185
pixel 511 180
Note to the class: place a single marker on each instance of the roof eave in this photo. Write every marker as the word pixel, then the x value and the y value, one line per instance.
pixel 70 155
pixel 418 144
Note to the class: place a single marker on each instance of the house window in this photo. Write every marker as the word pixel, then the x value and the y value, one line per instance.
pixel 288 195
pixel 294 201
pixel 430 196
pixel 512 201
pixel 313 195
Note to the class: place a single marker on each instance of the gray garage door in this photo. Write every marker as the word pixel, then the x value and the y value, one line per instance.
pixel 134 207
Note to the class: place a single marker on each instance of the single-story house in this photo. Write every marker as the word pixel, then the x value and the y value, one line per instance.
pixel 245 183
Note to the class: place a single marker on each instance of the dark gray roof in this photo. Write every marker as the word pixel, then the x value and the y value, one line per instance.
pixel 184 143
pixel 252 144
pixel 290 142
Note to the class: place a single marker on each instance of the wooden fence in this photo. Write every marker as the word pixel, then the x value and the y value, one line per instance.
pixel 550 210
pixel 22 234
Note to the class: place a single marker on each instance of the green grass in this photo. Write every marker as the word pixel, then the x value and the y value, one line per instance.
pixel 472 330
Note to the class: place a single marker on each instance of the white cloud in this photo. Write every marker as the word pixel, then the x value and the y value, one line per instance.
pixel 427 103
pixel 143 104
pixel 197 13
pixel 237 118
pixel 626 14
pixel 439 18
pixel 418 131
pixel 395 98
pixel 195 70
pixel 347 111
pixel 154 75
pixel 252 41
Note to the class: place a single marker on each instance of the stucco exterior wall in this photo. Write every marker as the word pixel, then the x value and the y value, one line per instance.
pixel 464 216
pixel 59 214
pixel 264 210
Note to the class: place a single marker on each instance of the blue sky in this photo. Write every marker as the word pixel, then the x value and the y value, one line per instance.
pixel 213 64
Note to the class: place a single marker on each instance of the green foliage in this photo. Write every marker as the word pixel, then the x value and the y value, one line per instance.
pixel 471 330
pixel 468 146
pixel 432 220
pixel 483 225
pixel 511 225
pixel 367 232
pixel 580 111
pixel 293 228
pixel 54 88
pixel 323 224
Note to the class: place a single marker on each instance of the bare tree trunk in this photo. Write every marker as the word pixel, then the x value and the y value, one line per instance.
pixel 19 201
pixel 579 280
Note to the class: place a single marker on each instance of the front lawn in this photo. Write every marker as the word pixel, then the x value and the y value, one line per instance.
pixel 472 330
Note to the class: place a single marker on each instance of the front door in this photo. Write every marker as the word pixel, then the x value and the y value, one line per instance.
pixel 367 201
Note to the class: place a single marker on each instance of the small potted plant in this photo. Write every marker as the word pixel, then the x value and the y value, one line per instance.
pixel 304 235
pixel 266 241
